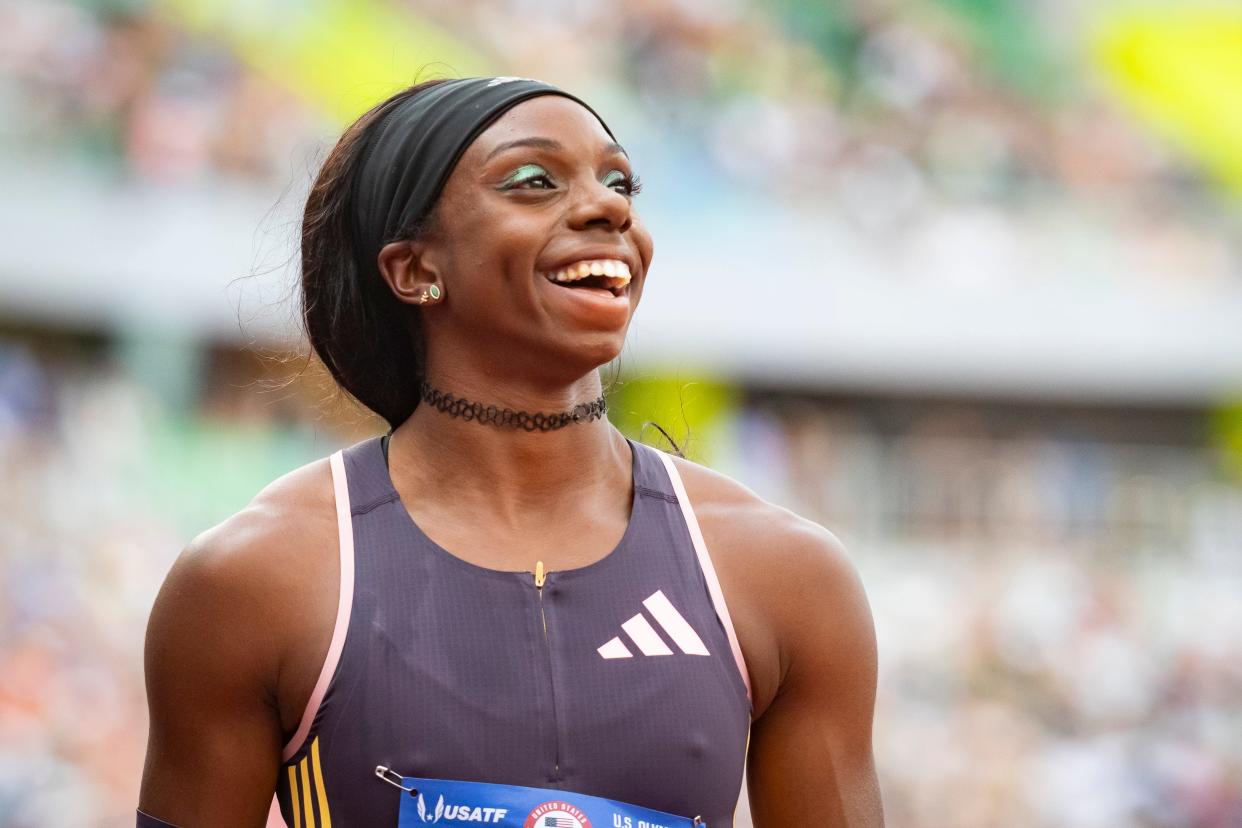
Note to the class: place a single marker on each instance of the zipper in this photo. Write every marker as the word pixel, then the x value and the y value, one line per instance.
pixel 541 576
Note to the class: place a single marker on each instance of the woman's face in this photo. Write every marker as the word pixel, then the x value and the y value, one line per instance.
pixel 539 199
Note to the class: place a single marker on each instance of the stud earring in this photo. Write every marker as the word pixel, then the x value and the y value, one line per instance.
pixel 430 294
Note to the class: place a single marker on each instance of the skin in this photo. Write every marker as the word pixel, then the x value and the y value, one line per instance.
pixel 242 624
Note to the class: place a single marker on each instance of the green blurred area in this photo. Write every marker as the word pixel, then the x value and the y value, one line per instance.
pixel 343 56
pixel 199 471
pixel 1014 51
pixel 1227 436
pixel 1015 48
pixel 693 412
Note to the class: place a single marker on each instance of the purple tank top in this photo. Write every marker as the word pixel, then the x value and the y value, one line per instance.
pixel 621 679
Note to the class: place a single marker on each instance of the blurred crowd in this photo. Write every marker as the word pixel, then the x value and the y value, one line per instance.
pixel 792 96
pixel 119 88
pixel 1057 610
pixel 79 564
pixel 888 113
pixel 1035 688
pixel 1058 647
pixel 1060 632
pixel 101 492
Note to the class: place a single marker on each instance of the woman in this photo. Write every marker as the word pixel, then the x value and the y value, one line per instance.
pixel 504 589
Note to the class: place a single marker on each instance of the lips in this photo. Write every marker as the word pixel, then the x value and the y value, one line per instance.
pixel 610 274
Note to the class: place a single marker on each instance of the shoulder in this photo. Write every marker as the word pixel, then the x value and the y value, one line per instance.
pixel 760 534
pixel 247 588
pixel 792 588
pixel 281 527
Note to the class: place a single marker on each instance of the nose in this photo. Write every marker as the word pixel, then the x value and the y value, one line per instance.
pixel 600 206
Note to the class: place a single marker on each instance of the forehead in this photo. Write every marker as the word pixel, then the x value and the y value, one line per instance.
pixel 547 116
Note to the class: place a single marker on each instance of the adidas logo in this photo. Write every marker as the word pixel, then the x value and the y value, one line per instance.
pixel 639 630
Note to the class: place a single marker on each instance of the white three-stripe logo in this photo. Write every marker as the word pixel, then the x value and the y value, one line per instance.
pixel 639 630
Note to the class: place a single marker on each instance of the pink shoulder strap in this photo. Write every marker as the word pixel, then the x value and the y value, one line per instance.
pixel 344 605
pixel 709 569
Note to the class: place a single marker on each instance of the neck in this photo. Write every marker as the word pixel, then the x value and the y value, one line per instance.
pixel 510 473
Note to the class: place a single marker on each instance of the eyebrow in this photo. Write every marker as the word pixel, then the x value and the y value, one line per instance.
pixel 546 144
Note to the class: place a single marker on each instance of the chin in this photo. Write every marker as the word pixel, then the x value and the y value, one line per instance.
pixel 587 353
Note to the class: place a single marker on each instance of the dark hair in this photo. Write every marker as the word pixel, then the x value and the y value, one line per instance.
pixel 370 341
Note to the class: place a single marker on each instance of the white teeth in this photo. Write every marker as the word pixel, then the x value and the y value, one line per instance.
pixel 617 271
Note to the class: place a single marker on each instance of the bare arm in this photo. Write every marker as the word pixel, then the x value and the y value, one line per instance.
pixel 810 753
pixel 806 631
pixel 235 643
pixel 215 737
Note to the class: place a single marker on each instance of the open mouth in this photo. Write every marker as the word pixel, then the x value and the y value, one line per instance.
pixel 612 275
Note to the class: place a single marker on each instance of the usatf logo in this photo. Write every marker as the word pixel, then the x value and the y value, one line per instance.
pixel 458 813
pixel 556 814
pixel 422 810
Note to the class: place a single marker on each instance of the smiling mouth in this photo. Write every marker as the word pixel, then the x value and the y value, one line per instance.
pixel 612 275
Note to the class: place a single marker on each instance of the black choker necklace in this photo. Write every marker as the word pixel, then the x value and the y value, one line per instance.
pixel 507 417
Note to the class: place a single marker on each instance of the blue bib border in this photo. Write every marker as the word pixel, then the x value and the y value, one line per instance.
pixel 450 804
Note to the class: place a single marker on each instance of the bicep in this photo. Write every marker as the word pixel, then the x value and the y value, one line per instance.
pixel 811 750
pixel 213 747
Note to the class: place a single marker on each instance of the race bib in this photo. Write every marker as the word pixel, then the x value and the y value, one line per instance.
pixel 452 804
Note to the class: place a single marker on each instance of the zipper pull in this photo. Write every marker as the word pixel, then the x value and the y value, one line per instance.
pixel 540 575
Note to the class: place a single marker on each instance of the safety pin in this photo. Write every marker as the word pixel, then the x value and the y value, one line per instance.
pixel 393 778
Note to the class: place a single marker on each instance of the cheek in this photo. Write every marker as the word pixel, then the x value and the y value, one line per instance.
pixel 642 242
pixel 496 244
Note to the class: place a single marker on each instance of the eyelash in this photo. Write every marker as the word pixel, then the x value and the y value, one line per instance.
pixel 632 183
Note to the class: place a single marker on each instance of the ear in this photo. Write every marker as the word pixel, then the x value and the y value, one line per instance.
pixel 408 272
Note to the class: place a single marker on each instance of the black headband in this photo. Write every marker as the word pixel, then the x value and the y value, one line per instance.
pixel 412 152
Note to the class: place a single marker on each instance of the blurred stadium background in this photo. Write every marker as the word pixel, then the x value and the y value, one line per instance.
pixel 960 279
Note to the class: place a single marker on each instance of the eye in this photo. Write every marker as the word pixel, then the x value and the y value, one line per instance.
pixel 529 177
pixel 624 183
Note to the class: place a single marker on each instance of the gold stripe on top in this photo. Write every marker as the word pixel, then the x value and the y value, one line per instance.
pixel 306 794
pixel 293 797
pixel 325 816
